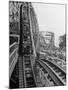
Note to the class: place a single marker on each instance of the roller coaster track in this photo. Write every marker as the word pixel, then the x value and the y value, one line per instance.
pixel 26 50
pixel 26 75
pixel 56 74
pixel 59 62
pixel 28 72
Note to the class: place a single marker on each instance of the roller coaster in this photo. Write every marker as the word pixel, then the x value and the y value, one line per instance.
pixel 24 58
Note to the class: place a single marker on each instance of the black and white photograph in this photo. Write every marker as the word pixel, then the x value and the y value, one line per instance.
pixel 37 44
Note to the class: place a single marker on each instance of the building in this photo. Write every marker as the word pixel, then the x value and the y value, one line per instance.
pixel 62 42
pixel 46 39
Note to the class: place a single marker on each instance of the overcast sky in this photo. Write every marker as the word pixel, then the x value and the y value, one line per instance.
pixel 51 17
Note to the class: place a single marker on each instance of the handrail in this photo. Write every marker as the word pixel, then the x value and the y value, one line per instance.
pixel 12 63
pixel 12 47
pixel 12 52
pixel 15 36
pixel 12 44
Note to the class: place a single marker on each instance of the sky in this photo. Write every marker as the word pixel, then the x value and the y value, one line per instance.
pixel 51 17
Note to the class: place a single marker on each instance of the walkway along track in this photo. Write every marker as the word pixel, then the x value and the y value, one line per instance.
pixel 57 75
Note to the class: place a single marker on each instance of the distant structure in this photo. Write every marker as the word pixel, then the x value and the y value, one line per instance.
pixel 62 44
pixel 46 39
